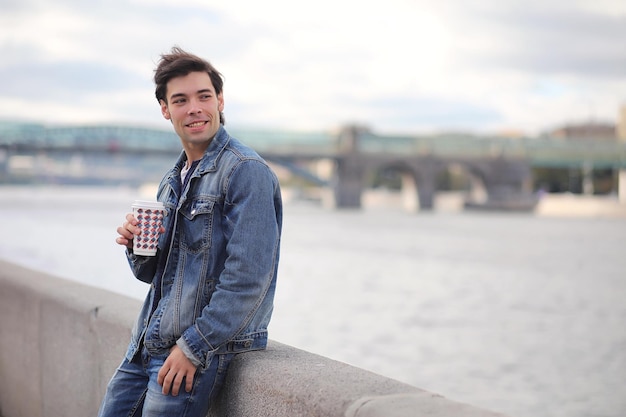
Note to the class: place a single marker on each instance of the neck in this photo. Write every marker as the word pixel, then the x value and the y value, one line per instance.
pixel 194 155
pixel 195 149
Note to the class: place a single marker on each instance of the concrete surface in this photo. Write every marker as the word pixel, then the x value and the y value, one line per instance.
pixel 61 341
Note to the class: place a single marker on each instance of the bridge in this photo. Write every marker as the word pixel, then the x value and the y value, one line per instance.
pixel 499 168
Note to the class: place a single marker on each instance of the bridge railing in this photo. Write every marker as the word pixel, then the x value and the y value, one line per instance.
pixel 555 152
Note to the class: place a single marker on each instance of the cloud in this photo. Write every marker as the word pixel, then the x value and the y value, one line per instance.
pixel 404 65
pixel 66 80
pixel 555 41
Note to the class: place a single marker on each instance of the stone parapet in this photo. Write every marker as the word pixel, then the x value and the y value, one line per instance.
pixel 60 342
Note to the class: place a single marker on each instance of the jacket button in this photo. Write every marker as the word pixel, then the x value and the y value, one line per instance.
pixel 247 343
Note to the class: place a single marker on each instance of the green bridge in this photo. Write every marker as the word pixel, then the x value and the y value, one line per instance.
pixel 500 169
pixel 540 152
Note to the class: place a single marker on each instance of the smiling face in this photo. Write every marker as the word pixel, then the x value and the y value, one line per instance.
pixel 194 109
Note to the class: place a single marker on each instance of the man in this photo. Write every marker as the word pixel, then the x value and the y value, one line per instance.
pixel 214 275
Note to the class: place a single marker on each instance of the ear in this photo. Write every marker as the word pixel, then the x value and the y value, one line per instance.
pixel 164 110
pixel 220 100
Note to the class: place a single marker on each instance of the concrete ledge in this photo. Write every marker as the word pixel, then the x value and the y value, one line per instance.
pixel 58 340
pixel 61 341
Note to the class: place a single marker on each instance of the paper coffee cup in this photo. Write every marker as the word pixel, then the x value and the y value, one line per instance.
pixel 149 215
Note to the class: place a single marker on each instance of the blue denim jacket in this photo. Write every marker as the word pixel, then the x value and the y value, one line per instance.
pixel 215 268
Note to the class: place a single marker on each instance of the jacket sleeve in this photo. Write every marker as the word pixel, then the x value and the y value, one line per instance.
pixel 252 226
pixel 143 267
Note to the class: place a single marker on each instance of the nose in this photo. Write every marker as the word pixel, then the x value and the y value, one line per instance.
pixel 194 107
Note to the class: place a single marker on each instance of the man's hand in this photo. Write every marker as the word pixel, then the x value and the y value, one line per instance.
pixel 176 367
pixel 128 231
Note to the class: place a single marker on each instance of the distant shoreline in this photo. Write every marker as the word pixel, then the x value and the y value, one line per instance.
pixel 576 205
pixel 550 205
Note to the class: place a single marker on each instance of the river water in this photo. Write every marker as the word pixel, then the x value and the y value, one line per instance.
pixel 517 313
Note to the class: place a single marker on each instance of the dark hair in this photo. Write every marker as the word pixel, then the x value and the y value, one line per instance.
pixel 179 63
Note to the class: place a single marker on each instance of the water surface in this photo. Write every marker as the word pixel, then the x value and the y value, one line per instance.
pixel 515 313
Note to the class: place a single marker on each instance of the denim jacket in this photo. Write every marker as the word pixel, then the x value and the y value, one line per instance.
pixel 214 276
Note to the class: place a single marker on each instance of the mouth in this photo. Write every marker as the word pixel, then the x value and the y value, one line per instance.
pixel 196 124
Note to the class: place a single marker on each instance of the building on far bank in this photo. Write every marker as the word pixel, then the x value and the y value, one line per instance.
pixel 621 136
pixel 590 130
pixel 593 130
pixel 621 124
pixel 588 179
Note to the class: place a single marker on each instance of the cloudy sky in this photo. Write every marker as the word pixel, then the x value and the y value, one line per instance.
pixel 393 65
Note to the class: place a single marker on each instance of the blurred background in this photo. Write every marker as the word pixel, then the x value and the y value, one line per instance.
pixel 494 277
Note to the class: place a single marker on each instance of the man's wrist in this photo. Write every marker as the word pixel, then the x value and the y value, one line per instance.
pixel 187 351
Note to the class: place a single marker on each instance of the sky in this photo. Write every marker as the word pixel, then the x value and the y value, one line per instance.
pixel 394 66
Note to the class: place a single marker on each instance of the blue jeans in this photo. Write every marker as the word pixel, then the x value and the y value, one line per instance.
pixel 133 391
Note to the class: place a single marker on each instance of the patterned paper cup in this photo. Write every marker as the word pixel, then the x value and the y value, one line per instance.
pixel 149 215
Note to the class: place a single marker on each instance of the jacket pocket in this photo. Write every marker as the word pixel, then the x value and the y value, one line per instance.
pixel 196 226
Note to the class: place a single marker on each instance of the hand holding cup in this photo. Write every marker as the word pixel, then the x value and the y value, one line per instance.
pixel 142 228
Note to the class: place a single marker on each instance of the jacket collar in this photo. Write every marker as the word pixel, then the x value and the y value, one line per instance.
pixel 213 152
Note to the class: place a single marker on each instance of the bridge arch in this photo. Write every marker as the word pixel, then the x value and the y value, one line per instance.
pixel 418 182
pixel 416 178
pixel 397 176
pixel 468 178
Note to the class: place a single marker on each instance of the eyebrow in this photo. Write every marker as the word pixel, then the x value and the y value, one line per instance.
pixel 204 90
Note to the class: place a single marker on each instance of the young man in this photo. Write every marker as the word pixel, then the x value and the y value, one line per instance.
pixel 214 275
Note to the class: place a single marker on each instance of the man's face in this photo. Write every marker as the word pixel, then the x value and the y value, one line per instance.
pixel 194 109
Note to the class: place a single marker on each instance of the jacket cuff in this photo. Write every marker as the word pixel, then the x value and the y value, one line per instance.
pixel 195 347
pixel 136 259
pixel 187 351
